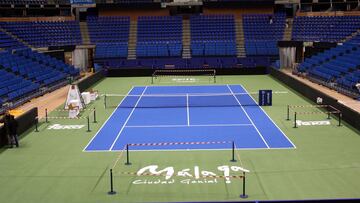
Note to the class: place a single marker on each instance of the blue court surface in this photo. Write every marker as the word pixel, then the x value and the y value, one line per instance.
pixel 219 114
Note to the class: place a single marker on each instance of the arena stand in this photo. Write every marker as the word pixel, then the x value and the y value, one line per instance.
pixel 338 67
pixel 28 74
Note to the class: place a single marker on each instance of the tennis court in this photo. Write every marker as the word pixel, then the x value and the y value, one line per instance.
pixel 219 114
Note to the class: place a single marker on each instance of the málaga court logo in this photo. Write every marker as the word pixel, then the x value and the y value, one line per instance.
pixel 194 175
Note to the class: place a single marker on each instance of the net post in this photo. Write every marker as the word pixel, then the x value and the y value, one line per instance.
pixel 288 113
pixel 36 125
pixel 244 195
pixel 127 155
pixel 88 124
pixel 111 192
pixel 152 78
pixel 46 116
pixel 94 116
pixel 340 115
pixel 105 101
pixel 295 126
pixel 214 76
pixel 233 152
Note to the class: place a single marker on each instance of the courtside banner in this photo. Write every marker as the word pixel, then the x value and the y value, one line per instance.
pixel 265 97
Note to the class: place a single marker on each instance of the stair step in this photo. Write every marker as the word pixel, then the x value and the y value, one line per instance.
pixel 132 41
pixel 186 38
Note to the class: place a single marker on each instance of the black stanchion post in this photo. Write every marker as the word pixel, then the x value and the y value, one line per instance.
pixel 244 195
pixel 46 116
pixel 127 156
pixel 295 120
pixel 233 152
pixel 95 116
pixel 328 115
pixel 105 101
pixel 340 115
pixel 88 124
pixel 111 192
pixel 288 113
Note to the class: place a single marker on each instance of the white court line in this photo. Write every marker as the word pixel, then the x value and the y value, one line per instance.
pixel 132 111
pixel 187 110
pixel 107 119
pixel 271 120
pixel 174 126
pixel 257 130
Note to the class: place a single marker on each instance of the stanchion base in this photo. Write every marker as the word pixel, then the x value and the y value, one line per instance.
pixel 88 131
pixel 233 160
pixel 244 196
pixel 111 193
pixel 127 163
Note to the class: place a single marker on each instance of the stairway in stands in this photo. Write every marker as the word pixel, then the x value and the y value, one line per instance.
pixel 186 39
pixel 351 36
pixel 132 40
pixel 288 30
pixel 16 38
pixel 84 33
pixel 240 40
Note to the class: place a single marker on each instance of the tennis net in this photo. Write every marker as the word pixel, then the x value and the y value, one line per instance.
pixel 180 100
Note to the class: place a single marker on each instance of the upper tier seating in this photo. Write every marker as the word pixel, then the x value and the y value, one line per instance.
pixel 213 35
pixel 261 35
pixel 324 28
pixel 159 36
pixel 7 42
pixel 108 29
pixel 24 2
pixel 110 34
pixel 46 33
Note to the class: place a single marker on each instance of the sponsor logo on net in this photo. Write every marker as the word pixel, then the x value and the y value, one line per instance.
pixel 185 79
pixel 186 176
pixel 65 127
pixel 312 123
